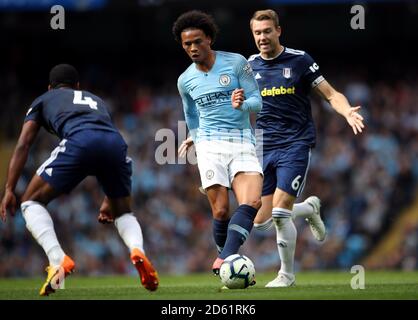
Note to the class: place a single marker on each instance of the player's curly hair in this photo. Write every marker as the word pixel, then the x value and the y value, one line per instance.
pixel 63 75
pixel 195 19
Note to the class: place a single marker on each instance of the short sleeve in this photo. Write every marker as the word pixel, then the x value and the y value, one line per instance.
pixel 311 73
pixel 35 111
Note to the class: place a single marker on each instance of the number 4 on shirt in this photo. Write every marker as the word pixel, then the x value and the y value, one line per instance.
pixel 78 99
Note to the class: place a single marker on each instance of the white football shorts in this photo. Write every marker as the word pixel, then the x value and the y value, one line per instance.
pixel 219 161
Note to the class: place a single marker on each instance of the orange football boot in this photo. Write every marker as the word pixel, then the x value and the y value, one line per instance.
pixel 149 276
pixel 56 275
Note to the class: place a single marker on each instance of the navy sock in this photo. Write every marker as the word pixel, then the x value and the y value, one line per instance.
pixel 239 229
pixel 220 230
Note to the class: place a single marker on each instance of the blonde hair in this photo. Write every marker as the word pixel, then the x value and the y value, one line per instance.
pixel 265 15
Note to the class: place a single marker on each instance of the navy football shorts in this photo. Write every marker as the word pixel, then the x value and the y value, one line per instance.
pixel 102 154
pixel 286 169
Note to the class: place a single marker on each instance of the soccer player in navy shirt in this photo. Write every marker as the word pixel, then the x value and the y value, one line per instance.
pixel 90 145
pixel 286 77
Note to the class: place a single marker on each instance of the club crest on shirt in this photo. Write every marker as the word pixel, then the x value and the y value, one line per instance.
pixel 224 80
pixel 287 72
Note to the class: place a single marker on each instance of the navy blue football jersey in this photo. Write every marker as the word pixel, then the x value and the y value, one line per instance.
pixel 65 111
pixel 285 83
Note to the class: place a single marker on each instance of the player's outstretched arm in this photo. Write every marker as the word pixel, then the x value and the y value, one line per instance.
pixel 28 134
pixel 340 104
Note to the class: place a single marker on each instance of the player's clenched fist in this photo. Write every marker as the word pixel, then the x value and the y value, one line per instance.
pixel 237 98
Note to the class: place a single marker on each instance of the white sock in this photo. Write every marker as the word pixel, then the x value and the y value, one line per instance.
pixel 302 209
pixel 286 239
pixel 130 231
pixel 264 225
pixel 39 223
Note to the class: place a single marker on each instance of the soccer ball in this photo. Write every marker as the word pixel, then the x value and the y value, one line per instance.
pixel 237 272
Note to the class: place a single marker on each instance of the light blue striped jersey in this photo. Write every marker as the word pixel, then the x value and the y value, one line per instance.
pixel 207 103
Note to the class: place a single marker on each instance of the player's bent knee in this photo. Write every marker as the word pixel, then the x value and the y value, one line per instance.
pixel 118 206
pixel 37 198
pixel 221 213
pixel 28 196
pixel 255 203
pixel 119 213
pixel 40 192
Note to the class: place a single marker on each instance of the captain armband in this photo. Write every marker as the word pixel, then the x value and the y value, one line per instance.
pixel 317 81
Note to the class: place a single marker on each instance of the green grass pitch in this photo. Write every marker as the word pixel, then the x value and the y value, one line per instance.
pixel 310 285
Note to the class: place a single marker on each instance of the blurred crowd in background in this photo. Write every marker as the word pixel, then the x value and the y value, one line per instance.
pixel 364 182
pixel 125 53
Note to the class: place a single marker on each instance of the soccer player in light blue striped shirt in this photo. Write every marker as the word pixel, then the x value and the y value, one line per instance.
pixel 219 92
pixel 206 98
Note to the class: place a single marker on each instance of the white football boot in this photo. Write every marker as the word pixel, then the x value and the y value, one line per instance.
pixel 283 280
pixel 315 222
